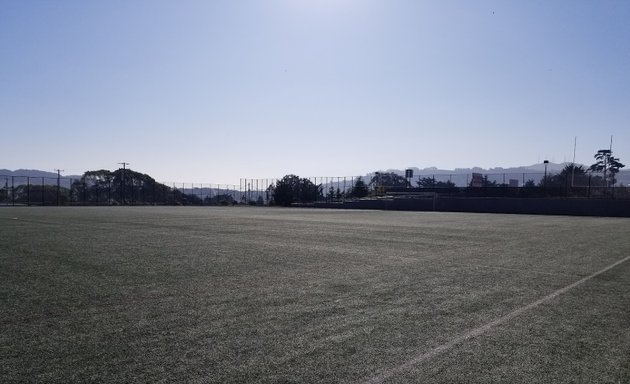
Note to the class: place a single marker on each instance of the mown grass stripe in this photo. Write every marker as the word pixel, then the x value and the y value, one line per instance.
pixel 383 376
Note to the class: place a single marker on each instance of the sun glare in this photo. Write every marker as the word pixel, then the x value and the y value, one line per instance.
pixel 324 6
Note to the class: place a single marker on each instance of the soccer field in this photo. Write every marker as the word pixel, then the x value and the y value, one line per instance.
pixel 273 295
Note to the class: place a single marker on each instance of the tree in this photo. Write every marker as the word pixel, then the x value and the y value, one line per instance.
pixel 359 189
pixel 429 182
pixel 572 170
pixel 308 191
pixel 608 164
pixel 389 179
pixel 94 186
pixel 4 194
pixel 570 174
pixel 105 186
pixel 38 194
pixel 334 194
pixel 221 199
pixel 331 193
pixel 485 182
pixel 191 199
pixel 529 184
pixel 292 189
pixel 138 186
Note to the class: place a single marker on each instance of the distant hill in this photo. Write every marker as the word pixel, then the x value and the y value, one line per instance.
pixel 32 173
pixel 460 176
pixel 535 168
pixel 36 177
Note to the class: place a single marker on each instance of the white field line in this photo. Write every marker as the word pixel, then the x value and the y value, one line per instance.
pixel 381 377
pixel 522 271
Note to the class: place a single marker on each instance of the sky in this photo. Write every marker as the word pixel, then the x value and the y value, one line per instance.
pixel 213 91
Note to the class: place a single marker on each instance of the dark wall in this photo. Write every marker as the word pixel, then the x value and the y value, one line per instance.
pixel 538 206
pixel 542 206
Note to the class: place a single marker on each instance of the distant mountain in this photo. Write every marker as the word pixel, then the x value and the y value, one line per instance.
pixel 460 176
pixel 535 168
pixel 32 173
pixel 20 175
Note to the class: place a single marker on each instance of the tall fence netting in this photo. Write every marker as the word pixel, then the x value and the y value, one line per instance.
pixel 49 191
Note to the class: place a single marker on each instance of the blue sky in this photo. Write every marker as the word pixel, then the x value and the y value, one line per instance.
pixel 214 91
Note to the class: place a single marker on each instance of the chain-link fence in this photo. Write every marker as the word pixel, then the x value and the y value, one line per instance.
pixel 531 184
pixel 48 191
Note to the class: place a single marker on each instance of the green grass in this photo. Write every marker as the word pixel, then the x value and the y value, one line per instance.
pixel 227 295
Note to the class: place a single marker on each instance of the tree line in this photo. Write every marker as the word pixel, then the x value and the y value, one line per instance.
pixel 125 186
pixel 104 187
pixel 292 189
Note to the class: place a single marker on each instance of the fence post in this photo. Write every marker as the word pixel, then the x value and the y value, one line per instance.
pixel 43 196
pixel 28 191
pixel 70 192
pixel 132 189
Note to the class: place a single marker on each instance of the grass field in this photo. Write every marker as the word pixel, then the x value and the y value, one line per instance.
pixel 263 295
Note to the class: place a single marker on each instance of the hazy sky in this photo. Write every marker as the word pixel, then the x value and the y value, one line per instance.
pixel 213 91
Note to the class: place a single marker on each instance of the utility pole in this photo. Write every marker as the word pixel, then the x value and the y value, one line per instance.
pixel 122 183
pixel 58 184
